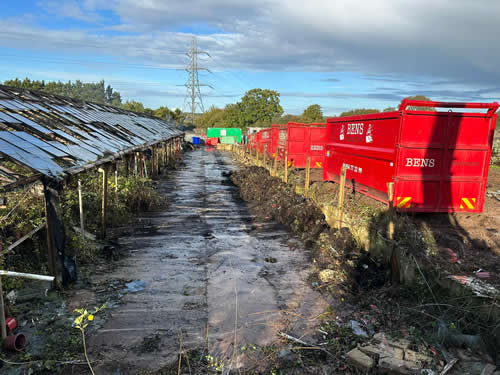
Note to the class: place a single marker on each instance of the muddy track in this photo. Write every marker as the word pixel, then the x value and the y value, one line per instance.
pixel 208 269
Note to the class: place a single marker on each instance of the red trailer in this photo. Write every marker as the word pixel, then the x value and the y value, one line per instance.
pixel 306 140
pixel 438 161
pixel 252 141
pixel 264 140
pixel 279 136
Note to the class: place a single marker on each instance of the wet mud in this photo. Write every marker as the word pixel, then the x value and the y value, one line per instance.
pixel 209 272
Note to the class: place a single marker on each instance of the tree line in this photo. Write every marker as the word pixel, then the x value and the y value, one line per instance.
pixel 258 107
pixel 97 93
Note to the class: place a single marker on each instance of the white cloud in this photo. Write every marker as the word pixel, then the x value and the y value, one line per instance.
pixel 448 39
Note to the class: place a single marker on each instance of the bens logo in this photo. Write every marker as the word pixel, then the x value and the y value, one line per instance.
pixel 355 129
pixel 418 162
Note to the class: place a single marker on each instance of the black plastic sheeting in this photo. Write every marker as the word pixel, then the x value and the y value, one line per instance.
pixel 52 135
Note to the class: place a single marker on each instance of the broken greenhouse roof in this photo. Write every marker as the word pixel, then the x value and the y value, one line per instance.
pixel 54 136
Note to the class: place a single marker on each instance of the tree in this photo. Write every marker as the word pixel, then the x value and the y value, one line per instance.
pixel 258 107
pixel 163 113
pixel 360 111
pixel 389 109
pixel 132 105
pixel 313 113
pixel 214 117
pixel 285 119
pixel 416 108
pixel 92 92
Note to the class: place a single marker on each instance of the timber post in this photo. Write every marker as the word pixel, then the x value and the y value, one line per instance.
pixel 275 163
pixel 308 176
pixel 390 195
pixel 153 162
pixel 286 167
pixel 340 202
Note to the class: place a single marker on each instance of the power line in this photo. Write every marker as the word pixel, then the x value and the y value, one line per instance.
pixel 193 92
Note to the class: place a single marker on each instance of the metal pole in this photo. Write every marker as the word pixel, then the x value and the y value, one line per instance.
pixel 2 313
pixel 80 204
pixel 104 211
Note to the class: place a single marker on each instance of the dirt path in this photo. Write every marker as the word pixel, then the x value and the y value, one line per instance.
pixel 207 268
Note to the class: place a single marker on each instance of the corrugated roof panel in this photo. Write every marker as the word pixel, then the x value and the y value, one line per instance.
pixel 42 165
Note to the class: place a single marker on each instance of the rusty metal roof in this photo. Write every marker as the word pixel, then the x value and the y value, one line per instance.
pixel 54 136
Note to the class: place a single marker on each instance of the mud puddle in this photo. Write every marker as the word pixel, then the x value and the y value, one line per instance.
pixel 208 271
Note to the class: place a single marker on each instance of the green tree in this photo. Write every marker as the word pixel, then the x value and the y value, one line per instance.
pixel 214 117
pixel 258 107
pixel 163 113
pixel 285 119
pixel 360 111
pixel 313 113
pixel 132 105
pixel 92 92
pixel 417 108
pixel 389 109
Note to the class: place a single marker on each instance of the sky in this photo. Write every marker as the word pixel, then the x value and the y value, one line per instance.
pixel 341 54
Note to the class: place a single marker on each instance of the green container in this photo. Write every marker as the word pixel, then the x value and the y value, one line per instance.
pixel 224 132
pixel 228 140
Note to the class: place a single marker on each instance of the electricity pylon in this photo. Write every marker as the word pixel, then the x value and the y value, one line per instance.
pixel 193 92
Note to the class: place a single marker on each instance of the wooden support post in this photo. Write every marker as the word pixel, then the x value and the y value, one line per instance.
pixel 275 163
pixel 286 167
pixel 257 157
pixel 308 176
pixel 140 160
pixel 165 155
pixel 264 159
pixel 2 313
pixel 56 236
pixel 136 164
pixel 126 161
pixel 80 204
pixel 390 195
pixel 104 208
pixel 340 202
pixel 153 161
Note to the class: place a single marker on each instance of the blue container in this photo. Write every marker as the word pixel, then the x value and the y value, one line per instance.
pixel 196 140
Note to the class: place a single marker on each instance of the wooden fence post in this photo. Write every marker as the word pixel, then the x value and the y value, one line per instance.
pixel 275 163
pixel 308 176
pixel 390 195
pixel 286 167
pixel 340 203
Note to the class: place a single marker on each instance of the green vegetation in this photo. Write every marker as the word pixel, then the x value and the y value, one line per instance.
pixel 94 92
pixel 357 112
pixel 26 208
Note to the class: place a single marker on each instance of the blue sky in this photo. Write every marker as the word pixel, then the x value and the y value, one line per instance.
pixel 339 54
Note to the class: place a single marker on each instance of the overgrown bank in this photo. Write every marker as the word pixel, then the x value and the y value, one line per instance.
pixel 436 321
